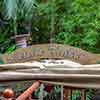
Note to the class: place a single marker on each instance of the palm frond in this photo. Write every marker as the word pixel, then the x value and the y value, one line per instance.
pixel 28 7
pixel 13 8
pixel 10 7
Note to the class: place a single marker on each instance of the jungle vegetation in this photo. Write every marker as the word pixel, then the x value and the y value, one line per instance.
pixel 72 22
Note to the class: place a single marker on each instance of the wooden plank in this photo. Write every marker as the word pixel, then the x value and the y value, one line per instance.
pixel 50 51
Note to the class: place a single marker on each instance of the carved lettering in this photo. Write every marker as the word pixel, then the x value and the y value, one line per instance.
pixel 38 51
pixel 47 51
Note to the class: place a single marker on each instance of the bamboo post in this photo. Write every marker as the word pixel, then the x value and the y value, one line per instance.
pixel 29 91
pixel 67 93
pixel 82 94
pixel 62 92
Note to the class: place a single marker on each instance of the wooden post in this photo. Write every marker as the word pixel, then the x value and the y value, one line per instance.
pixel 21 40
pixel 62 92
pixel 82 94
pixel 67 93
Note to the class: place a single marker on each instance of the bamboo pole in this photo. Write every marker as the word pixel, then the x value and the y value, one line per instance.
pixel 72 80
pixel 29 91
pixel 21 66
pixel 90 71
pixel 39 65
pixel 70 75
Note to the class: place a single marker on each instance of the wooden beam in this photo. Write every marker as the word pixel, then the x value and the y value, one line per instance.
pixel 72 80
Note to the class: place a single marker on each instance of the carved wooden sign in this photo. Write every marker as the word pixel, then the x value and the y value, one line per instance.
pixel 50 51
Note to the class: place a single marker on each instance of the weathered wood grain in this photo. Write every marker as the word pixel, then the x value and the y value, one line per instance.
pixel 50 51
pixel 73 80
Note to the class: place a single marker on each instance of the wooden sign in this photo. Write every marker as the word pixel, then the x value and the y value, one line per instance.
pixel 50 51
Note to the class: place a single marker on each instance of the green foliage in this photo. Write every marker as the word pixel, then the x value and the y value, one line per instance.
pixel 18 15
pixel 5 42
pixel 72 22
pixel 18 8
pixel 46 20
pixel 19 11
pixel 80 25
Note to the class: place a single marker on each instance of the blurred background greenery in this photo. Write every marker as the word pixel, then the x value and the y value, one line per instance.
pixel 72 22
